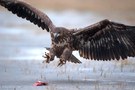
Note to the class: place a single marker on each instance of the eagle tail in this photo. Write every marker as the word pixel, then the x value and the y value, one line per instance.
pixel 74 59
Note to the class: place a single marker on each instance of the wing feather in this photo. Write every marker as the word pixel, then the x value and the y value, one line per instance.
pixel 24 10
pixel 106 40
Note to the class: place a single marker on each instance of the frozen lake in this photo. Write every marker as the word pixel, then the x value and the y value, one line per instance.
pixel 22 46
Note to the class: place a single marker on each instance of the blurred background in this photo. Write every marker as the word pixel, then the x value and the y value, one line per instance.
pixel 22 40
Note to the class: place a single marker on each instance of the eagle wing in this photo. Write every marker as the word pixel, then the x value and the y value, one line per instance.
pixel 106 40
pixel 24 10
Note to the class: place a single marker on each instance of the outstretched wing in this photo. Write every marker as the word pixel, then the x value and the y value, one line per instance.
pixel 24 10
pixel 106 40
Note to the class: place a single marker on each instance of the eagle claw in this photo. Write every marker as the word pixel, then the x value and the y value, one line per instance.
pixel 61 63
pixel 47 58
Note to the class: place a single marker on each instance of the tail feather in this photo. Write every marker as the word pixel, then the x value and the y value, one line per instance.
pixel 74 59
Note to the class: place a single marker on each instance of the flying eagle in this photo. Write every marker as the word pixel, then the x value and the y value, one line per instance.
pixel 105 40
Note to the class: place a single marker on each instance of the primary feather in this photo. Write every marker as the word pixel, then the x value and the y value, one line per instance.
pixel 106 40
pixel 24 10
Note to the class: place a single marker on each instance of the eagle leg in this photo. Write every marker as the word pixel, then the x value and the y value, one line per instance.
pixel 62 62
pixel 65 56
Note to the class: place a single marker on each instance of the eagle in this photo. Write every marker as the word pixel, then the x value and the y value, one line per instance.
pixel 104 40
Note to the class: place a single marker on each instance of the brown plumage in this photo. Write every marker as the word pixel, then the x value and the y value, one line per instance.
pixel 104 40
